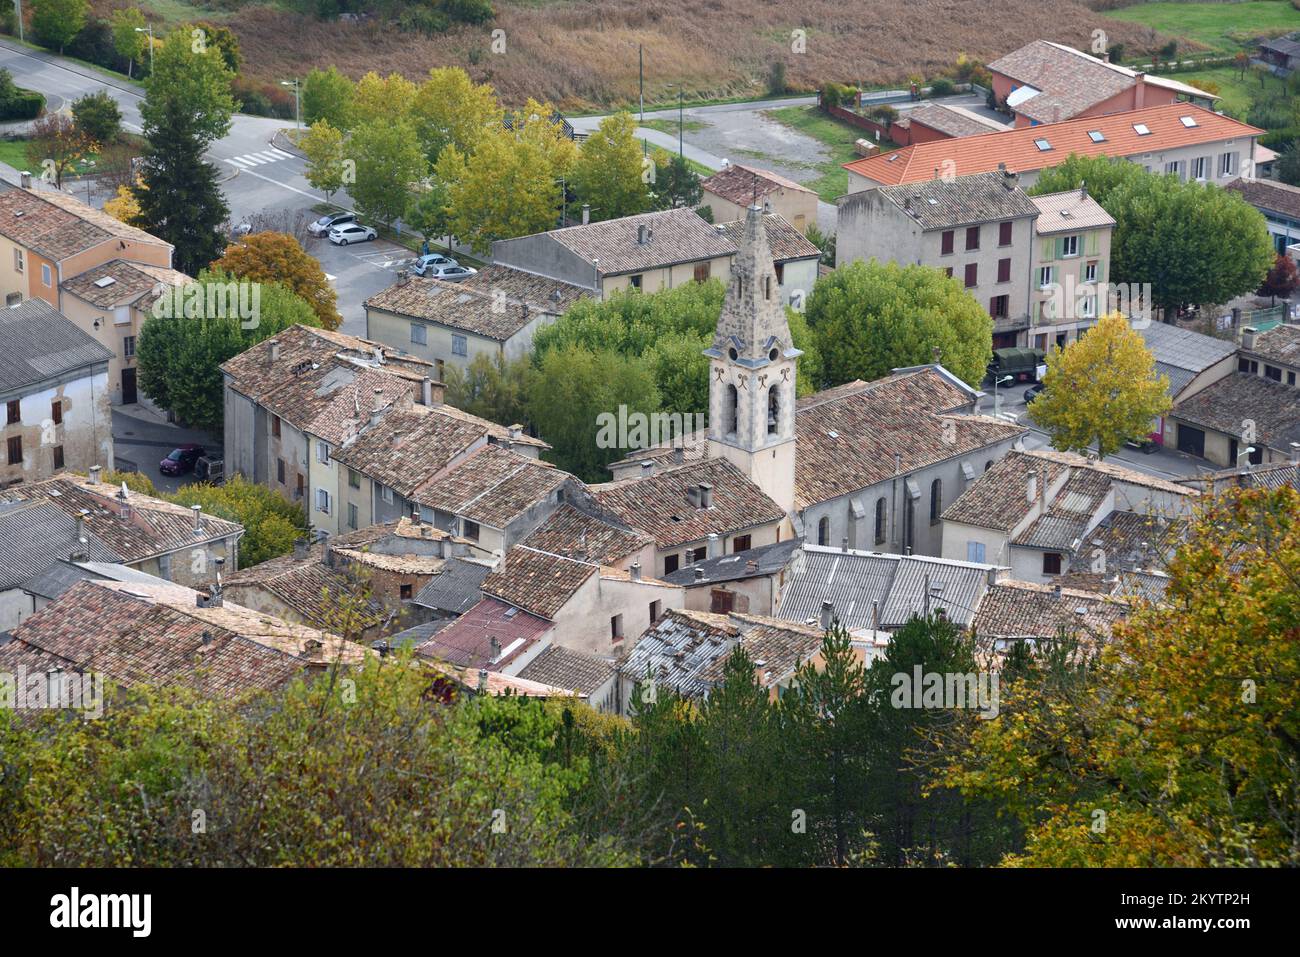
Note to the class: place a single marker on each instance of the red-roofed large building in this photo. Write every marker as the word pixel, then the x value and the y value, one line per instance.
pixel 1190 140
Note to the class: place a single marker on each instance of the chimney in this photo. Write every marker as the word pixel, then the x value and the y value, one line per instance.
pixel 647 469
pixel 699 573
pixel 123 501
pixel 377 410
pixel 482 681
pixel 1083 190
pixel 713 545
pixel 706 495
pixel 679 455
pixel 1056 591
pixel 495 644
pixel 516 431
pixel 379 355
pixel 1031 489
pixel 213 599
pixel 875 615
pixel 25 179
pixel 197 511
pixel 844 544
pixel 300 547
pixel 426 391
pixel 643 234
pixel 828 615
pixel 81 525
pixel 1295 453
pixel 1139 90
pixel 636 571
pixel 1248 334
pixel 275 350
pixel 586 213
pixel 1042 491
pixel 993 577
pixel 94 474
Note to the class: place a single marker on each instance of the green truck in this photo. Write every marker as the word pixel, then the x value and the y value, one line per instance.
pixel 1023 364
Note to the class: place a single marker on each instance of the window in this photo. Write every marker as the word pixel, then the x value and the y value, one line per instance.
pixel 1273 372
pixel 1004 233
pixel 322 501
pixel 1044 276
pixel 721 601
pixel 880 520
pixel 1004 270
pixel 1228 164
pixel 323 452
pixel 279 471
pixel 128 347
pixel 469 530
pixel 275 426
pixel 1243 365
pixel 635 281
pixel 56 410
pixel 999 306
pixel 1090 272
pixel 773 410
pixel 696 555
pixel 988 465
pixel 701 272
pixel 15 411
pixel 352 523
pixel 1043 145
pixel 386 493
pixel 945 242
pixel 1070 246
pixel 58 457
pixel 780 272
pixel 936 501
pixel 672 563
pixel 47 277
pixel 975 552
pixel 13 299
pixel 616 627
pixel 729 410
pixel 1097 136
pixel 1088 307
pixel 972 237
pixel 405 592
pixel 972 274
pixel 1188 121
pixel 459 347
pixel 767 287
pixel 1290 378
pixel 1198 167
pixel 16 450
pixel 1175 167
pixel 741 543
pixel 1051 563
pixel 18 260
pixel 1141 129
pixel 419 334
pixel 165 566
pixel 655 611
pixel 354 478
pixel 824 532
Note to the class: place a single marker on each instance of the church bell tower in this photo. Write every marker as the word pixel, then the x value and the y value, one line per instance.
pixel 752 371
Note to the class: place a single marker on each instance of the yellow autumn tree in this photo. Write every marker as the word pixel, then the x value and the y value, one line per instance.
pixel 1179 745
pixel 125 207
pixel 1102 388
pixel 450 109
pixel 278 257
pixel 510 185
pixel 383 97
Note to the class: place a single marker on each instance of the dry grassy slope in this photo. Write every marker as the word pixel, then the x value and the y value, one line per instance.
pixel 582 53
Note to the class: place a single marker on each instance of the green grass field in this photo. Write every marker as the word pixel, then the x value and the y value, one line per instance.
pixel 838 137
pixel 1225 27
pixel 1236 94
pixel 670 126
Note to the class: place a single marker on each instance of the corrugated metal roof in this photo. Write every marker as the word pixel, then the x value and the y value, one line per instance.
pixel 455 589
pixel 37 342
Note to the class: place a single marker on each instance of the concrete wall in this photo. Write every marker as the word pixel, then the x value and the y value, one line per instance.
pixel 668 277
pixel 583 624
pixel 797 207
pixel 85 434
pixel 767 534
pixel 115 326
pixel 395 330
pixel 798 276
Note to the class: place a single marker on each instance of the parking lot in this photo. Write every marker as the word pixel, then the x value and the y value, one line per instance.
pixel 358 272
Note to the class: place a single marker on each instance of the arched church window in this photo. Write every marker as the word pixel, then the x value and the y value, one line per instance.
pixel 773 409
pixel 824 532
pixel 729 412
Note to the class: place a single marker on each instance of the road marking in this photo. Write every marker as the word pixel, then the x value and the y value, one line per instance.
pixel 281 153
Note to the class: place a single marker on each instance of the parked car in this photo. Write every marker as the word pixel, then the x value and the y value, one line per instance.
pixel 180 460
pixel 432 260
pixel 351 233
pixel 210 468
pixel 1033 392
pixel 240 230
pixel 323 225
pixel 1146 445
pixel 455 273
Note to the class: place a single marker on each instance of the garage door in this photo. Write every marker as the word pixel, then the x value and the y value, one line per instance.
pixel 1191 441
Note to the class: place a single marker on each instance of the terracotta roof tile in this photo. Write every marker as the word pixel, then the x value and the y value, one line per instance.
pixel 492 486
pixel 1235 399
pixel 1015 609
pixel 785 242
pixel 537 581
pixel 576 534
pixel 679 236
pixel 737 183
pixel 468 641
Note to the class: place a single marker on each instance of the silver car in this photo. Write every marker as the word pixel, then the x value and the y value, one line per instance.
pixel 455 273
pixel 432 261
pixel 322 226
pixel 352 233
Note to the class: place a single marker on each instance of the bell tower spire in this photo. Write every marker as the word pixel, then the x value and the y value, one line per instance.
pixel 752 371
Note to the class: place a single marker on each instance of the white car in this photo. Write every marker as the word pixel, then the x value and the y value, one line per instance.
pixel 450 273
pixel 352 233
pixel 432 261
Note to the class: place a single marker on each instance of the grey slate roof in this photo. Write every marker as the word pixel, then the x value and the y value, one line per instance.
pixel 38 343
pixel 767 559
pixel 417 634
pixel 456 589
pixel 1182 354
pixel 34 535
pixel 964 201
pixel 852 580
pixel 63 574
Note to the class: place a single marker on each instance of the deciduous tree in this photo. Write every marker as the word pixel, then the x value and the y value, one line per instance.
pixel 389 164
pixel 277 257
pixel 1102 389
pixel 450 109
pixel 328 166
pixel 330 96
pixel 56 23
pixel 611 173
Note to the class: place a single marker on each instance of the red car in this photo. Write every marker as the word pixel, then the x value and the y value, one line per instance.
pixel 180 460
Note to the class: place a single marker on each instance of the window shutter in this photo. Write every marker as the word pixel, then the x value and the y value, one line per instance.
pixel 1101 270
pixel 1092 243
pixel 1060 248
pixel 1047 249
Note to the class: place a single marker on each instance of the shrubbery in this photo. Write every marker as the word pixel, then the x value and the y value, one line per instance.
pixel 17 103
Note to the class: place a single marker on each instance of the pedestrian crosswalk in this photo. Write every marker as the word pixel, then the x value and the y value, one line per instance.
pixel 249 160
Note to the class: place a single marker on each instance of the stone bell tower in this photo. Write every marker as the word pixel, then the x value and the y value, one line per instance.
pixel 752 371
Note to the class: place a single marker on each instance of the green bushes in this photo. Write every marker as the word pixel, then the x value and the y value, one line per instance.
pixel 17 103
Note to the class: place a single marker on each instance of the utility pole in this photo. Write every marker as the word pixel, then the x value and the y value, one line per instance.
pixel 297 102
pixel 680 93
pixel 148 30
pixel 18 5
pixel 640 65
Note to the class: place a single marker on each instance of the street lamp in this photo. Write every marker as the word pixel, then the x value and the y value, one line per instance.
pixel 1248 450
pixel 148 30
pixel 297 102
pixel 18 6
pixel 997 400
